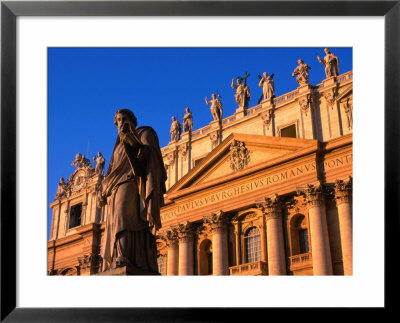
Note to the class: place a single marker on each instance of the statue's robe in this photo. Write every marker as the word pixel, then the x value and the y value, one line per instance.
pixel 135 187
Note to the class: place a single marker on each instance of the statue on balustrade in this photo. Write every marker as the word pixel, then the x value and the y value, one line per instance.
pixel 242 95
pixel 133 189
pixel 187 121
pixel 175 130
pixel 331 63
pixel 216 107
pixel 301 72
pixel 267 83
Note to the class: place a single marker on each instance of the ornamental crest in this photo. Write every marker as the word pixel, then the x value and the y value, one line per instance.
pixel 240 155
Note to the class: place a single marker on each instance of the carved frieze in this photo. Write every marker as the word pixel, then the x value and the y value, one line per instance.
pixel 344 190
pixel 239 155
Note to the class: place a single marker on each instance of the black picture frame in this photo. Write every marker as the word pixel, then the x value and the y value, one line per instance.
pixel 10 10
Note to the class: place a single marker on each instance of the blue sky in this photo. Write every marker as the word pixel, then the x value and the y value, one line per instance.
pixel 87 85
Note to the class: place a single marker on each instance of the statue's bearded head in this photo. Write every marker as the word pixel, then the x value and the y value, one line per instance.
pixel 125 120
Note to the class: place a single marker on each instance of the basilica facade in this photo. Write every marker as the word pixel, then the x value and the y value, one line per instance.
pixel 265 191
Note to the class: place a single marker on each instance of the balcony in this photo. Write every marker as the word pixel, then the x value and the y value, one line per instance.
pixel 256 268
pixel 301 261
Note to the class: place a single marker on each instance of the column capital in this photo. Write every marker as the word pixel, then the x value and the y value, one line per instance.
pixel 185 232
pixel 344 190
pixel 271 207
pixel 171 238
pixel 217 222
pixel 314 194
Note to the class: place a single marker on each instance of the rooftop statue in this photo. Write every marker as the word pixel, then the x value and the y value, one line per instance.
pixel 216 107
pixel 62 188
pixel 242 94
pixel 81 161
pixel 175 130
pixel 133 189
pixel 187 121
pixel 267 83
pixel 331 63
pixel 302 72
pixel 100 162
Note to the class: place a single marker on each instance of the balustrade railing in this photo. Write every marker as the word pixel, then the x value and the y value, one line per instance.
pixel 252 268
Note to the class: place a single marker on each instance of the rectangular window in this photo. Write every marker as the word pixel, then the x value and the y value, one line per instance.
pixel 289 131
pixel 303 237
pixel 75 216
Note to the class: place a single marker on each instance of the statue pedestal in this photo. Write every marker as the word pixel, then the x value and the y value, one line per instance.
pixel 330 81
pixel 240 113
pixel 186 136
pixel 126 271
pixel 215 124
pixel 305 88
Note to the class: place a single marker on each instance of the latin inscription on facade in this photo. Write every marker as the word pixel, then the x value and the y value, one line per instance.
pixel 256 184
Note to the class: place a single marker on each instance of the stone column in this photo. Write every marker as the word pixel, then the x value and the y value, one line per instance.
pixel 343 195
pixel 185 236
pixel 218 225
pixel 272 209
pixel 321 252
pixel 173 253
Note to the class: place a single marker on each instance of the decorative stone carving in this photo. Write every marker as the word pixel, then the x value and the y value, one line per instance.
pixel 331 63
pixel 330 98
pixel 301 72
pixel 90 261
pixel 343 190
pixel 183 149
pixel 267 118
pixel 185 232
pixel 216 221
pixel 271 207
pixel 171 157
pixel 175 130
pixel 242 95
pixel 305 104
pixel 348 109
pixel 240 155
pixel 314 194
pixel 215 138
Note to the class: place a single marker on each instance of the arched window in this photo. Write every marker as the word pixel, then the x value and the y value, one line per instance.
pixel 253 245
pixel 205 258
pixel 161 264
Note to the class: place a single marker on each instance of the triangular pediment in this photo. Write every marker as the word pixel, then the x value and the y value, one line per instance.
pixel 238 155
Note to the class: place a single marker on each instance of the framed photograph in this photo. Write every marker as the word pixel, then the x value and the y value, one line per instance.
pixel 67 67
